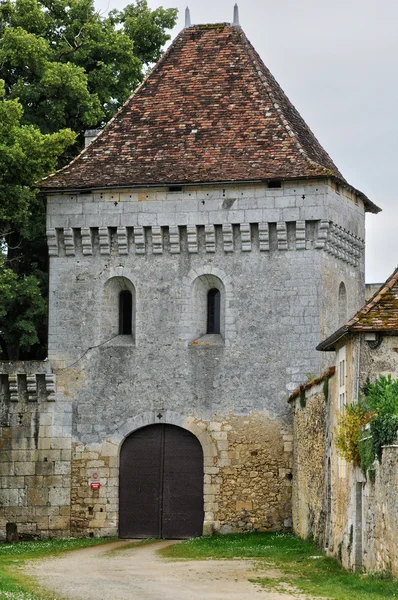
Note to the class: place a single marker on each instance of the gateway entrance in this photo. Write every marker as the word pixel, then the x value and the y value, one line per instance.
pixel 161 484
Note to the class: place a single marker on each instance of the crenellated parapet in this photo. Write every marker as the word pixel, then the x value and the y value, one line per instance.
pixel 242 237
pixel 29 381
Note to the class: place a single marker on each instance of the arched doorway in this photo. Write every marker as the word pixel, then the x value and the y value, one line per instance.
pixel 161 484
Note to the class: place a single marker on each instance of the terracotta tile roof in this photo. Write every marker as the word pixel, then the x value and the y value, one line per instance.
pixel 379 314
pixel 310 384
pixel 210 111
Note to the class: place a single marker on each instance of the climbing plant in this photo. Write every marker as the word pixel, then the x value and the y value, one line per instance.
pixel 349 431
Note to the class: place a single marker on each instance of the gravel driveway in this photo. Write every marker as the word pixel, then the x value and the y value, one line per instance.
pixel 109 572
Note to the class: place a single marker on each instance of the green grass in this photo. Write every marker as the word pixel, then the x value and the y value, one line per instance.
pixel 16 586
pixel 305 568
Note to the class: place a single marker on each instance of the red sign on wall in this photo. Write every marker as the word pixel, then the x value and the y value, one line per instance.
pixel 95 485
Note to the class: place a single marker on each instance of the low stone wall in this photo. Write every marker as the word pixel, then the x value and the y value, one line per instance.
pixel 35 451
pixel 380 499
pixel 309 458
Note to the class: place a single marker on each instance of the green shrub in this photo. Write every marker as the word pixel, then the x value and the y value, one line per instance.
pixel 382 398
pixel 366 453
pixel 349 431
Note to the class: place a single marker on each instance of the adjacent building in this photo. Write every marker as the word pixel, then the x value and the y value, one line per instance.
pixel 352 513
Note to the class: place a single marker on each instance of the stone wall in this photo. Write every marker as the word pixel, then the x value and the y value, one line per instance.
pixel 35 451
pixel 380 498
pixel 310 408
pixel 380 507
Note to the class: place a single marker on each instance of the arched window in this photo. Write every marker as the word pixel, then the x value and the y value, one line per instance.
pixel 342 304
pixel 125 313
pixel 213 311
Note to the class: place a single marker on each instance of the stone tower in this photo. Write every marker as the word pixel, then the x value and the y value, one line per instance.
pixel 200 248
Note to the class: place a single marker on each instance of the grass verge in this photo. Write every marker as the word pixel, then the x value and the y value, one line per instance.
pixel 304 567
pixel 16 586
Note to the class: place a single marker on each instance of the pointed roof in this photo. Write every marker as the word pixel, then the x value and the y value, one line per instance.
pixel 380 314
pixel 210 111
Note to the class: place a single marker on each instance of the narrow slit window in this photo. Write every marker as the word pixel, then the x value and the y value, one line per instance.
pixel 213 311
pixel 125 313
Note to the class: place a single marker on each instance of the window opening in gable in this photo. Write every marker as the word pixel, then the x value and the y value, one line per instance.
pixel 274 184
pixel 213 311
pixel 125 313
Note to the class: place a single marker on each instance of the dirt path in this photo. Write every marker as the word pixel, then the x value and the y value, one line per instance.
pixel 140 574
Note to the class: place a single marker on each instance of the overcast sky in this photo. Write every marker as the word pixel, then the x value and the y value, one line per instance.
pixel 337 62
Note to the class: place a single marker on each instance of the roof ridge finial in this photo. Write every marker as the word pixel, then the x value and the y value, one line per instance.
pixel 236 15
pixel 187 17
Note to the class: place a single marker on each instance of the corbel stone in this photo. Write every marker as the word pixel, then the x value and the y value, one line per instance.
pixel 104 241
pixel 50 387
pixel 331 244
pixel 210 238
pixel 157 240
pixel 52 242
pixel 69 241
pixel 87 242
pixel 245 237
pixel 281 235
pixel 31 388
pixel 13 387
pixel 139 239
pixel 174 236
pixel 192 235
pixel 228 237
pixel 263 236
pixel 122 240
pixel 338 242
pixel 322 236
pixel 300 235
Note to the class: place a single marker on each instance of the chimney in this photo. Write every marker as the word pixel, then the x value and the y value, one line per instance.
pixel 90 135
pixel 187 17
pixel 236 15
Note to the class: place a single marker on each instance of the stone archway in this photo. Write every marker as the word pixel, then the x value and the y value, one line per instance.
pixel 161 483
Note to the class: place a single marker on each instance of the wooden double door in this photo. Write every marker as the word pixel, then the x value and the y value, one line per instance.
pixel 161 484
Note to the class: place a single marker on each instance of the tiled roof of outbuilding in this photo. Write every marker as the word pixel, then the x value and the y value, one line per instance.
pixel 304 387
pixel 210 111
pixel 380 314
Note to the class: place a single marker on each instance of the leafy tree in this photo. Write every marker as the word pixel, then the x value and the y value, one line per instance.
pixel 64 65
pixel 25 156
pixel 71 67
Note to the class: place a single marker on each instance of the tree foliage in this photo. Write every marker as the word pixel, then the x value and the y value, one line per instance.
pixel 25 155
pixel 71 67
pixel 65 68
